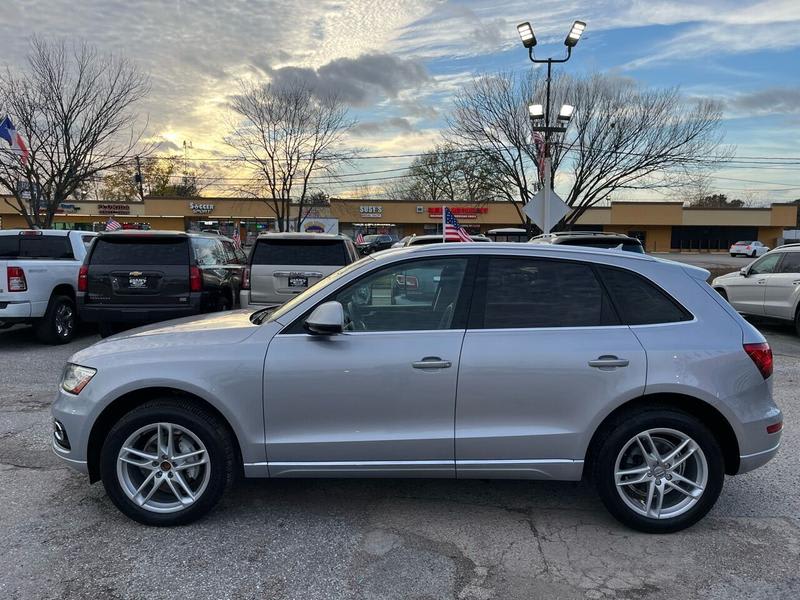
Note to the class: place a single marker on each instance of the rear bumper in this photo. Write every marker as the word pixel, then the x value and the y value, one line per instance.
pixel 245 302
pixel 138 313
pixel 15 312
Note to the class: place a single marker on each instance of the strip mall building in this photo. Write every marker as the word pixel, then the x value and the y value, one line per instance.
pixel 663 226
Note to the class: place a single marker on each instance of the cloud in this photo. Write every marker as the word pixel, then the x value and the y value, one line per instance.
pixel 770 101
pixel 371 128
pixel 356 80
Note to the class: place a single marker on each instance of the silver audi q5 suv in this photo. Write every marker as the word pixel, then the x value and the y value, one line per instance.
pixel 449 360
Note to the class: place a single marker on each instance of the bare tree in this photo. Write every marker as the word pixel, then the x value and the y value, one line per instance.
pixel 447 174
pixel 73 106
pixel 288 137
pixel 160 176
pixel 621 138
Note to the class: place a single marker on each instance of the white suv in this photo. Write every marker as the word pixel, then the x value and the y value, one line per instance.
pixel 768 287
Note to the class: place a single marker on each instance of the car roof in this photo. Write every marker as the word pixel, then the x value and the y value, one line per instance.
pixel 44 231
pixel 296 235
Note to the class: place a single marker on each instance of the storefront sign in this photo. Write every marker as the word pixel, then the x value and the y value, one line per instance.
pixel 113 209
pixel 321 225
pixel 201 209
pixel 371 212
pixel 66 208
pixel 461 212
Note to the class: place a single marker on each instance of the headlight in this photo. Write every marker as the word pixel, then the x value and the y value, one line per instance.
pixel 76 378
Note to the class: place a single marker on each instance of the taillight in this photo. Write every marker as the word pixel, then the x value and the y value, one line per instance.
pixel 761 355
pixel 246 278
pixel 16 279
pixel 195 279
pixel 83 279
pixel 775 427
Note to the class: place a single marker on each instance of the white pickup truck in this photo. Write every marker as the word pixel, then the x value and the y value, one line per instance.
pixel 38 278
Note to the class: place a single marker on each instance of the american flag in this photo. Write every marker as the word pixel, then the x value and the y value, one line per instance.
pixel 538 143
pixel 237 237
pixel 112 225
pixel 359 238
pixel 453 232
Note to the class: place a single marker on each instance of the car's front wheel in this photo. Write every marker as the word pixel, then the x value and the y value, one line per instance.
pixel 658 470
pixel 167 462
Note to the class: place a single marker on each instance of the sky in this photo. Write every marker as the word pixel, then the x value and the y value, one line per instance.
pixel 398 64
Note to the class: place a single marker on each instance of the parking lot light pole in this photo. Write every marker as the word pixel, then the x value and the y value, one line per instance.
pixel 528 38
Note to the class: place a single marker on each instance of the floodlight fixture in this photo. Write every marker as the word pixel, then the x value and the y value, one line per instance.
pixel 526 34
pixel 574 34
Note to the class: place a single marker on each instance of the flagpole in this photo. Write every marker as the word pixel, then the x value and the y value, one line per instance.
pixel 444 225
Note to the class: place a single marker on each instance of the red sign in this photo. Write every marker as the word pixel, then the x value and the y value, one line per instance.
pixel 461 212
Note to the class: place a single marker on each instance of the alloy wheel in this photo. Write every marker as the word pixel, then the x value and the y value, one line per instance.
pixel 163 467
pixel 661 473
pixel 64 321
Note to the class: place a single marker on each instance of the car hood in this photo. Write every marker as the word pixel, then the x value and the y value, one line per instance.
pixel 726 277
pixel 218 328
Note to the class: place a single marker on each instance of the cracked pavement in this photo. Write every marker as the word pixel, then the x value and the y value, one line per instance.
pixel 378 539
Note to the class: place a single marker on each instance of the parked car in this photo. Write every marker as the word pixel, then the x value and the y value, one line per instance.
pixel 752 249
pixel 132 278
pixel 375 243
pixel 41 272
pixel 591 239
pixel 283 265
pixel 421 240
pixel 508 234
pixel 529 361
pixel 768 287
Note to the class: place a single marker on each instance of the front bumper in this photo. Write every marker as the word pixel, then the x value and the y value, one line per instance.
pixel 74 414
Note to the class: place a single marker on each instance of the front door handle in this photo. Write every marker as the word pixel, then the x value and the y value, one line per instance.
pixel 608 361
pixel 761 281
pixel 432 362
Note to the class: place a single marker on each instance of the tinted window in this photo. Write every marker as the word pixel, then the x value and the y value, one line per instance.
pixel 230 252
pixel 410 296
pixel 141 251
pixel 45 246
pixel 639 301
pixel 9 246
pixel 543 293
pixel 791 263
pixel 299 252
pixel 208 252
pixel 765 265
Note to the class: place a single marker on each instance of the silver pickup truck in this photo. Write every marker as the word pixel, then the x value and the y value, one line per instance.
pixel 39 271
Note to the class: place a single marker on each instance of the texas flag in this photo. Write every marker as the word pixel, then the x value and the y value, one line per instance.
pixel 9 133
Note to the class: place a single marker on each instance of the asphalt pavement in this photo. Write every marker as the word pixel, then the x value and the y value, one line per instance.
pixel 382 539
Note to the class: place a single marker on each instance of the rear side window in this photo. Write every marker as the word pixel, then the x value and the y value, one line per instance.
pixel 639 301
pixel 299 252
pixel 141 251
pixel 530 293
pixel 790 263
pixel 208 251
pixel 45 246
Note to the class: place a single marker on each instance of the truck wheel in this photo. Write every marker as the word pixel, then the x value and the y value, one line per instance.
pixel 59 321
pixel 109 329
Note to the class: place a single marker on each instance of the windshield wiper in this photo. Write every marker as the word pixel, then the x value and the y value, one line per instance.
pixel 258 317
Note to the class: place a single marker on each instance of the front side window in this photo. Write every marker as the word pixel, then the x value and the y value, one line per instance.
pixel 791 263
pixel 410 296
pixel 639 301
pixel 526 293
pixel 765 265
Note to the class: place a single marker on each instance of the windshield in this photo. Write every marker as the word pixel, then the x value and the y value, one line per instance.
pixel 320 285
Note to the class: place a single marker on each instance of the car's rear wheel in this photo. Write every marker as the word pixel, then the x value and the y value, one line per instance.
pixel 797 321
pixel 59 321
pixel 658 470
pixel 722 293
pixel 167 462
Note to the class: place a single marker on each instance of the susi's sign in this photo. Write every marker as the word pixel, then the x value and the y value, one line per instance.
pixel 371 211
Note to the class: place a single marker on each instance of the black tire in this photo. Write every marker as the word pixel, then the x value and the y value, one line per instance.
pixel 722 293
pixel 797 321
pixel 184 413
pixel 59 321
pixel 753 255
pixel 611 441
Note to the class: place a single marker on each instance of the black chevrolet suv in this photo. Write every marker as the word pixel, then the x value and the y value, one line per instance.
pixel 132 278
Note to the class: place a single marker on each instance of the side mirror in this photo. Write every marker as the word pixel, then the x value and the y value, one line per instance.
pixel 327 319
pixel 744 271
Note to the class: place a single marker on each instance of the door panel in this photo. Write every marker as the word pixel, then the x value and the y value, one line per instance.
pixel 531 395
pixel 747 294
pixel 357 397
pixel 783 288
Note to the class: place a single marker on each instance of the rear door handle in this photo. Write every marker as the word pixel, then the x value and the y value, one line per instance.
pixel 432 362
pixel 608 361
